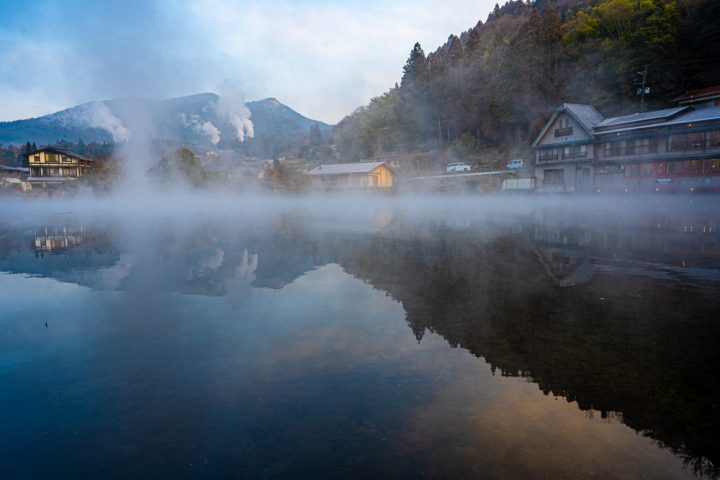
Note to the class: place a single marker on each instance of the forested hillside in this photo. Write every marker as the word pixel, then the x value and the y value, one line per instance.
pixel 496 84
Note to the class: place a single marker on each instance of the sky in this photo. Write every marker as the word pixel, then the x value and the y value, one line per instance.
pixel 322 58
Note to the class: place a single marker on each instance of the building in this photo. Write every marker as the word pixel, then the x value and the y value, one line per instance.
pixel 677 149
pixel 51 167
pixel 14 178
pixel 702 98
pixel 364 175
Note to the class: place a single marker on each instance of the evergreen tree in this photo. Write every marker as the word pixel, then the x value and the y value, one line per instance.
pixel 413 106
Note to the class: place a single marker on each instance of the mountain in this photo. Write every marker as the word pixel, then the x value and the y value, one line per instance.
pixel 204 118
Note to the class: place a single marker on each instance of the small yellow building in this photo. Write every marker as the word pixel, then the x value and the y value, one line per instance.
pixel 53 166
pixel 370 175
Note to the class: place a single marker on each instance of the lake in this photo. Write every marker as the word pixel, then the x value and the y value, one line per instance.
pixel 385 337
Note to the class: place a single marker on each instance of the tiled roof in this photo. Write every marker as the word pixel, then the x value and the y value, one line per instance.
pixel 659 115
pixel 692 116
pixel 585 114
pixel 345 168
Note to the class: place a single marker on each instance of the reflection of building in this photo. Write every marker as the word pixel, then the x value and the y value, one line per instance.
pixel 53 166
pixel 566 267
pixel 57 239
pixel 672 149
pixel 352 176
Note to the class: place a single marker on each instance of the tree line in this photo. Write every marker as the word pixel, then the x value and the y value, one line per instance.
pixel 496 84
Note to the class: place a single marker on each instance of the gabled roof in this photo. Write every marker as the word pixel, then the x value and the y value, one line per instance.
pixel 699 95
pixel 62 152
pixel 649 117
pixel 345 168
pixel 585 115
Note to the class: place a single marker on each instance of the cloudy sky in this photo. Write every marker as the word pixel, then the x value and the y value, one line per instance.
pixel 323 58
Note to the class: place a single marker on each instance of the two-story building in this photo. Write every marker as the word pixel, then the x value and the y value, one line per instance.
pixel 51 166
pixel 674 149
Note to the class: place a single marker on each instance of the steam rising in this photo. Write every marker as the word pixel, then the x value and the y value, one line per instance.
pixel 231 105
pixel 202 127
pixel 97 115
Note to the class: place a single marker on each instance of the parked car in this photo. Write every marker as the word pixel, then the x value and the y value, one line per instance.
pixel 458 167
pixel 515 164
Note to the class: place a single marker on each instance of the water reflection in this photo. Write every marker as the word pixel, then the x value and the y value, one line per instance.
pixel 614 313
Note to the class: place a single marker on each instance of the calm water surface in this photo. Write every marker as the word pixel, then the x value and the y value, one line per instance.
pixel 400 339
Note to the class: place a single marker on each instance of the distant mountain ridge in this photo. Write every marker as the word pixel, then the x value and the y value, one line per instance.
pixel 193 119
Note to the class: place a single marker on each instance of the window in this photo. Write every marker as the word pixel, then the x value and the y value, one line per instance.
pixel 696 140
pixel 640 170
pixel 575 151
pixel 328 182
pixel 715 138
pixel 564 129
pixel 676 142
pixel 689 141
pixel 646 145
pixel 685 167
pixel 712 166
pixel 548 154
pixel 614 149
pixel 554 176
pixel 611 168
pixel 674 168
pixel 630 147
pixel 692 166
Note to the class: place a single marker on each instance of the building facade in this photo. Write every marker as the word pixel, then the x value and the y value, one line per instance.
pixel 50 166
pixel 351 176
pixel 675 149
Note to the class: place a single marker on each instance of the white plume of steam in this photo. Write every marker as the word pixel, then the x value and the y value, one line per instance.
pixel 98 115
pixel 231 105
pixel 211 131
pixel 205 128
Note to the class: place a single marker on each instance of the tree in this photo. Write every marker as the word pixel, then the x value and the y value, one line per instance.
pixel 413 105
pixel 315 136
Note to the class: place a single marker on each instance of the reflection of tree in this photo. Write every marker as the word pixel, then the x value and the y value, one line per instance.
pixel 639 346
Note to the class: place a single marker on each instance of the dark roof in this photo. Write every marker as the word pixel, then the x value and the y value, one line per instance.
pixel 699 94
pixel 586 115
pixel 691 116
pixel 654 116
pixel 62 152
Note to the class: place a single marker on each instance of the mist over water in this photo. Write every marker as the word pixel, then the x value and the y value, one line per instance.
pixel 360 336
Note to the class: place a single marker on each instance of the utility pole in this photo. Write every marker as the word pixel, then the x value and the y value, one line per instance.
pixel 643 88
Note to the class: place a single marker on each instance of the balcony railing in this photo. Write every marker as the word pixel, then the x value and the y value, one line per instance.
pixel 549 157
pixel 563 132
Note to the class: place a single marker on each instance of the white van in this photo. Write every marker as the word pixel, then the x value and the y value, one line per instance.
pixel 515 164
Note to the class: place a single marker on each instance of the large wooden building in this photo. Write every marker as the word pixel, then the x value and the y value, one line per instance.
pixel 51 166
pixel 348 176
pixel 675 149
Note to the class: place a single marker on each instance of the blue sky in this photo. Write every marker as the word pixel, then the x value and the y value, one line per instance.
pixel 323 58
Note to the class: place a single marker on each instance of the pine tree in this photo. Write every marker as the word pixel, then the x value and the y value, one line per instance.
pixel 413 105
